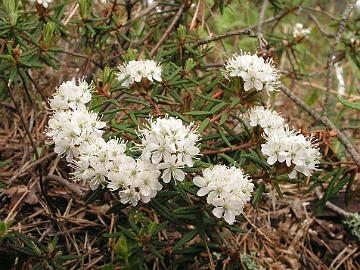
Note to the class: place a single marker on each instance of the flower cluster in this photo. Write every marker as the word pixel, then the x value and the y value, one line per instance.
pixel 267 119
pixel 283 144
pixel 256 73
pixel 300 32
pixel 167 147
pixel 106 163
pixel 70 95
pixel 77 133
pixel 71 124
pixel 135 71
pixel 170 146
pixel 227 189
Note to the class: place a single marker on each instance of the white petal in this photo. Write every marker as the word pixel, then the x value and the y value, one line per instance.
pixel 229 216
pixel 166 176
pixel 203 191
pixel 218 212
pixel 258 85
pixel 271 160
pixel 179 175
pixel 248 85
pixel 199 181
pixel 156 157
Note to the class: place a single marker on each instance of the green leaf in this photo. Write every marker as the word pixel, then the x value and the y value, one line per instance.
pixel 197 113
pixel 255 159
pixel 186 238
pixel 351 105
pixel 225 139
pixel 228 159
pixel 124 128
pixel 258 195
pixel 203 125
pixel 112 235
pixel 223 119
pixel 94 195
pixel 22 250
pixel 68 257
pixel 312 98
pixel 221 6
pixel 12 76
pixel 162 210
pixel 219 107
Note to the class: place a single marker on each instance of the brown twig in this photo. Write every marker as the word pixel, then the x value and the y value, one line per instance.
pixel 155 106
pixel 258 230
pixel 330 64
pixel 74 188
pixel 37 88
pixel 326 122
pixel 321 29
pixel 261 18
pixel 332 206
pixel 170 28
pixel 218 116
pixel 245 31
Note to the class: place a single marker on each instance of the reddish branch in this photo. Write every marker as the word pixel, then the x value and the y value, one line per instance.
pixel 170 28
pixel 218 116
pixel 155 106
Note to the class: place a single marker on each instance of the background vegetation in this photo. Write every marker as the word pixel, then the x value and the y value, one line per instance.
pixel 48 222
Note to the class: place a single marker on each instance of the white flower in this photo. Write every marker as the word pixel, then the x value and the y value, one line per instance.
pixel 285 145
pixel 129 195
pixel 77 133
pixel 66 146
pixel 70 129
pixel 170 145
pixel 135 71
pixel 227 208
pixel 282 143
pixel 265 118
pixel 255 72
pixel 70 95
pixel 83 170
pixel 148 184
pixel 252 80
pixel 300 32
pixel 228 189
pixel 135 180
pixel 172 169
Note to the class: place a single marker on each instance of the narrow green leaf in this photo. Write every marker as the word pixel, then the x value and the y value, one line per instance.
pixel 197 113
pixel 203 125
pixel 351 105
pixel 186 238
pixel 258 195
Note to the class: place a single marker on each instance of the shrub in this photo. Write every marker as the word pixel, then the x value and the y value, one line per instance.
pixel 171 143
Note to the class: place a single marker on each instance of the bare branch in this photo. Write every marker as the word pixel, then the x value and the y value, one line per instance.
pixel 169 29
pixel 330 62
pixel 326 122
